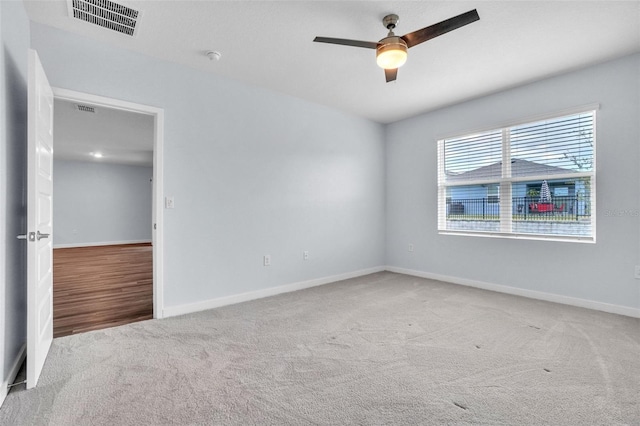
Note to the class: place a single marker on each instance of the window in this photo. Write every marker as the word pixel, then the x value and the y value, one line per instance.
pixel 534 180
pixel 493 193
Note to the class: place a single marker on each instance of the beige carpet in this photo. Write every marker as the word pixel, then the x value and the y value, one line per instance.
pixel 380 349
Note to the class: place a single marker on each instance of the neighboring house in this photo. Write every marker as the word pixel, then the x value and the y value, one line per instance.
pixel 568 195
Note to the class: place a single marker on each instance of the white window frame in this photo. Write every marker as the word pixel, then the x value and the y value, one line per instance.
pixel 505 195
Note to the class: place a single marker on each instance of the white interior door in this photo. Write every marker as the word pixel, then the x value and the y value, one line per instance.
pixel 39 223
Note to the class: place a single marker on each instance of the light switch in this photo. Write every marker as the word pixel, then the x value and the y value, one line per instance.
pixel 169 203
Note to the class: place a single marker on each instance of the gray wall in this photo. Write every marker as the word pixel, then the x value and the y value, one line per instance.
pixel 601 272
pixel 14 39
pixel 98 203
pixel 252 172
pixel 256 173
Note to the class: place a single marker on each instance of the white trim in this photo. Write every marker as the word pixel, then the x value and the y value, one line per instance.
pixel 592 183
pixel 72 95
pixel 13 372
pixel 442 190
pixel 505 191
pixel 531 294
pixel 519 236
pixel 173 311
pixel 158 216
pixel 158 178
pixel 103 243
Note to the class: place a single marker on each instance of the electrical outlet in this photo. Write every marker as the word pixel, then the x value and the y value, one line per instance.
pixel 411 248
pixel 266 260
pixel 305 255
pixel 637 273
pixel 169 202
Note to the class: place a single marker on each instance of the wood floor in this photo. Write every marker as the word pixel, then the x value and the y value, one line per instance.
pixel 101 286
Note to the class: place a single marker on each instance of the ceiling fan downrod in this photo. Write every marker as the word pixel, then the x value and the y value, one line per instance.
pixel 390 22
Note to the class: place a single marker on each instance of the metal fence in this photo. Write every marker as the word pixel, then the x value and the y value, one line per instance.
pixel 522 208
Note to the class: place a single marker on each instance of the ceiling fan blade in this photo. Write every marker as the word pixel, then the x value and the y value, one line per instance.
pixel 435 30
pixel 391 74
pixel 346 42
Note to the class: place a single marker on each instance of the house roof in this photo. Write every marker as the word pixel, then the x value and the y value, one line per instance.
pixel 518 168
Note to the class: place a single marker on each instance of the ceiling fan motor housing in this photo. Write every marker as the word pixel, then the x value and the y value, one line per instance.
pixel 391 52
pixel 390 21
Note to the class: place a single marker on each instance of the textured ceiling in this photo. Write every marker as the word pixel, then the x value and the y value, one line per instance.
pixel 269 44
pixel 78 134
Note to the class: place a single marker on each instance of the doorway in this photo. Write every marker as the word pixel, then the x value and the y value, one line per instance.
pixel 122 278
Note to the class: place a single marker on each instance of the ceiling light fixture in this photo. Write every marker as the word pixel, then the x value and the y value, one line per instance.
pixel 392 52
pixel 96 154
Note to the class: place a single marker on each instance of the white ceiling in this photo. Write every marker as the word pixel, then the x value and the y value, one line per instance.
pixel 121 137
pixel 269 44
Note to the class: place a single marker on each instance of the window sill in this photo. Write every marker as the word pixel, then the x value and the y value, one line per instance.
pixel 514 236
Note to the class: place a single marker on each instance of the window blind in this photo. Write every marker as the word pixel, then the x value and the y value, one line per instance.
pixel 534 179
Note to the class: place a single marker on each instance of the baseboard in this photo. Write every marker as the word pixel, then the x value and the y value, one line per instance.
pixel 173 311
pixel 107 243
pixel 532 294
pixel 15 369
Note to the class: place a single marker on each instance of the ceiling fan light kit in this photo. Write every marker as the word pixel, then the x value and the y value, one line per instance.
pixel 391 51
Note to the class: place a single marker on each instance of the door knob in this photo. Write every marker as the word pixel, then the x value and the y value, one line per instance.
pixel 40 236
pixel 33 236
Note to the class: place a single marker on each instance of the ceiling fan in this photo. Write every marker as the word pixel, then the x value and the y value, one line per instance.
pixel 391 51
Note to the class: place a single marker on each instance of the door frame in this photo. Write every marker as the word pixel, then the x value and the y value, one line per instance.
pixel 158 172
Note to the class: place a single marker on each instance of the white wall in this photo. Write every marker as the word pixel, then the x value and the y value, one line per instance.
pixel 100 203
pixel 14 42
pixel 252 172
pixel 601 272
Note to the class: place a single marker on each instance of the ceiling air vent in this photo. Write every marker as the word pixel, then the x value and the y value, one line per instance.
pixel 86 108
pixel 106 14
